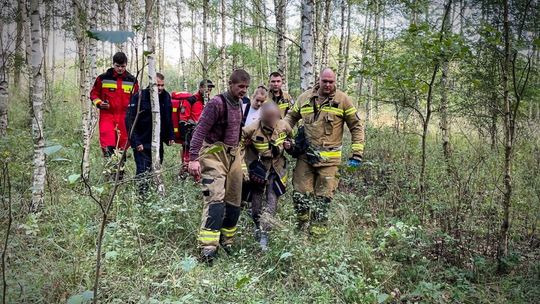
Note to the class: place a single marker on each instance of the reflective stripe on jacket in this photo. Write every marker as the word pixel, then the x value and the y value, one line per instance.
pixel 324 120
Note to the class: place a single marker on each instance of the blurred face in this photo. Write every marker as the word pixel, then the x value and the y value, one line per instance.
pixel 270 116
pixel 238 90
pixel 119 68
pixel 327 82
pixel 259 99
pixel 276 83
pixel 160 85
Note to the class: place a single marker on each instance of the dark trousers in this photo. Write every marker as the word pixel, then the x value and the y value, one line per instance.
pixel 143 162
pixel 264 204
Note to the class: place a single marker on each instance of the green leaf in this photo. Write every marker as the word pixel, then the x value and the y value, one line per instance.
pixel 81 298
pixel 285 255
pixel 188 264
pixel 73 178
pixel 88 295
pixel 111 36
pixel 52 149
pixel 75 299
pixel 382 297
pixel 99 190
pixel 213 149
pixel 242 282
pixel 111 255
pixel 146 53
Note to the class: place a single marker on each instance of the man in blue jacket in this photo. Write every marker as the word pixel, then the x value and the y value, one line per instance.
pixel 141 130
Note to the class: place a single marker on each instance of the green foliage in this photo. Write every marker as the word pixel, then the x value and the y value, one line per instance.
pixel 376 250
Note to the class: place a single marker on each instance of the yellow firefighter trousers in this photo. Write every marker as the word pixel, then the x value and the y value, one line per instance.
pixel 221 179
pixel 314 188
pixel 318 181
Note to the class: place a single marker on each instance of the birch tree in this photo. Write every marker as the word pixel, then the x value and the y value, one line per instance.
pixel 306 52
pixel 181 61
pixel 343 33
pixel 154 97
pixel 223 46
pixel 121 4
pixel 325 32
pixel 204 63
pixel 36 96
pixel 20 57
pixel 80 10
pixel 281 25
pixel 4 85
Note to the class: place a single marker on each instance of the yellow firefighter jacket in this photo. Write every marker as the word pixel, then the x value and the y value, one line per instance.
pixel 260 142
pixel 324 120
pixel 284 101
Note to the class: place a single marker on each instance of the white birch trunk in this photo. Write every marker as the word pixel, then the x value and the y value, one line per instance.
pixel 4 87
pixel 79 14
pixel 154 98
pixel 306 53
pixel 280 7
pixel 206 4
pixel 223 46
pixel 181 45
pixel 36 96
pixel 121 22
pixel 325 33
pixel 341 51
pixel 347 48
pixel 19 53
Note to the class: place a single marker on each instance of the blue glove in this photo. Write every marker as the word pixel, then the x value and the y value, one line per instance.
pixel 354 163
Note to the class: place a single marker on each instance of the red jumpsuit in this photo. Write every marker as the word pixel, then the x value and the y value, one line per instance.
pixel 117 90
pixel 197 106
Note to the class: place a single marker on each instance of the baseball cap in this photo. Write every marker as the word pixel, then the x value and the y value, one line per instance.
pixel 208 83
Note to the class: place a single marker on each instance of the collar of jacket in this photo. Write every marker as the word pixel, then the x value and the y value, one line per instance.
pixel 274 95
pixel 315 95
pixel 266 129
pixel 230 99
pixel 199 97
pixel 112 72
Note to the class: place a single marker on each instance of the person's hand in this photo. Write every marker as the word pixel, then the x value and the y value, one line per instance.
pixel 104 105
pixel 139 148
pixel 287 144
pixel 194 168
pixel 354 163
pixel 171 142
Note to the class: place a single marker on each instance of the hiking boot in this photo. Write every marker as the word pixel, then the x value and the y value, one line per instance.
pixel 228 248
pixel 208 254
pixel 263 241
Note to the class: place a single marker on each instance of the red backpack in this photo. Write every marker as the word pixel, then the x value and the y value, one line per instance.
pixel 181 111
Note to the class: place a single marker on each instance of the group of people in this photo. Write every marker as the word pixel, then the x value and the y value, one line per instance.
pixel 237 149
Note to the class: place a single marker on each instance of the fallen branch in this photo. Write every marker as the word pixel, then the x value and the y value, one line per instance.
pixel 6 195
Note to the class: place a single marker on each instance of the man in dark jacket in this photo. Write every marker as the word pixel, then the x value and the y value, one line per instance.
pixel 141 130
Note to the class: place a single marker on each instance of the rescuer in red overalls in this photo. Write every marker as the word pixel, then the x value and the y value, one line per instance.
pixel 111 93
pixel 195 106
pixel 199 99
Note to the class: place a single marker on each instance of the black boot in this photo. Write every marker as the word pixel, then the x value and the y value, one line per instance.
pixel 208 254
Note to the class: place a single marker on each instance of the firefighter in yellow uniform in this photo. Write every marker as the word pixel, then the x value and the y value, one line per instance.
pixel 216 158
pixel 324 111
pixel 265 142
pixel 277 95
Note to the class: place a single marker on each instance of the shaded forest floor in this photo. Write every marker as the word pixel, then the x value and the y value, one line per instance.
pixel 384 245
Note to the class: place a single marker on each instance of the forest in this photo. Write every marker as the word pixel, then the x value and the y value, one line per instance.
pixel 444 208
